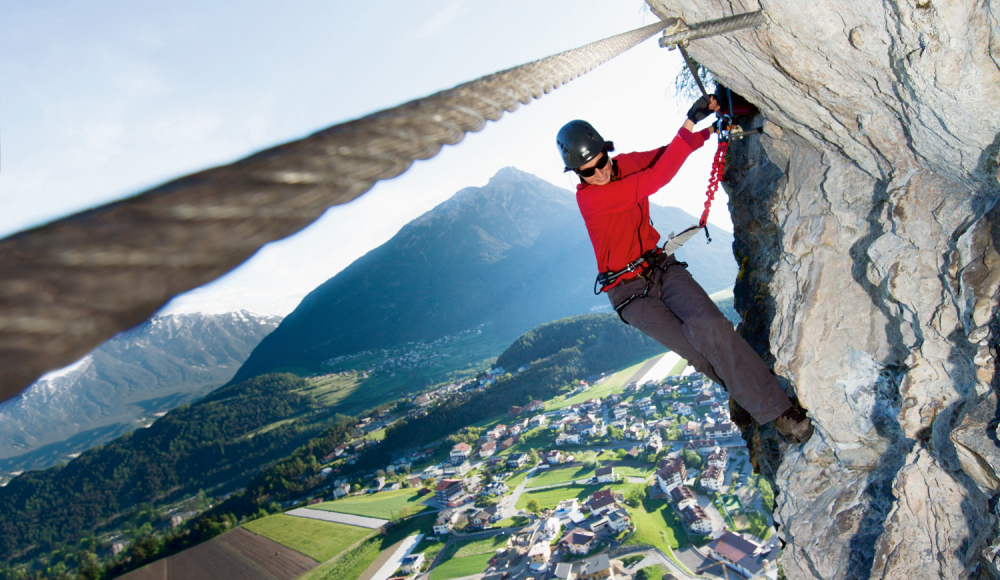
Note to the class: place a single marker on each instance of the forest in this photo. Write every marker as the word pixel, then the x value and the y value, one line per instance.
pixel 194 447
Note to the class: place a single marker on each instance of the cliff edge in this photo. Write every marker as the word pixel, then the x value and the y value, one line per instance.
pixel 867 228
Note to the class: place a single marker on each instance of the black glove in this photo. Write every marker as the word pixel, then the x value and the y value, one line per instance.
pixel 699 110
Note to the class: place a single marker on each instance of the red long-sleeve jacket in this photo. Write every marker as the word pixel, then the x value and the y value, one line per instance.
pixel 617 213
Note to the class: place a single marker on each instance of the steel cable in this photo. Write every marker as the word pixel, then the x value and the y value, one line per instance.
pixel 68 286
pixel 715 27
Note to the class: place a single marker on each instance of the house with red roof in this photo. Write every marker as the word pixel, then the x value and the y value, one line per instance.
pixel 746 557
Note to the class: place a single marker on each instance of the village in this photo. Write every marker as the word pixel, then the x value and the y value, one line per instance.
pixel 646 479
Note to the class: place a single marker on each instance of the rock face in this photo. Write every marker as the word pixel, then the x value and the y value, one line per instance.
pixel 867 225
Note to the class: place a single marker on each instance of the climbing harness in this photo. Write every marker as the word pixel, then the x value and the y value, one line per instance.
pixel 656 260
pixel 641 264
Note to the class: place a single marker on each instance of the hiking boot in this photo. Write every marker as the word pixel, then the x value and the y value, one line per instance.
pixel 794 425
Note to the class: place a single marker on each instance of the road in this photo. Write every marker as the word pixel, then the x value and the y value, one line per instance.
pixel 510 505
pixel 387 569
pixel 351 520
pixel 653 557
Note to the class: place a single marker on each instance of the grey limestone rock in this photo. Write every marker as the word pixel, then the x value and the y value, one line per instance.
pixel 867 228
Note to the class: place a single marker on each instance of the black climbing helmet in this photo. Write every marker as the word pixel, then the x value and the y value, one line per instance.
pixel 579 142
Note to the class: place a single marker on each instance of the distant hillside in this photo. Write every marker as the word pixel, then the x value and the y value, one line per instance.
pixel 512 254
pixel 125 384
pixel 556 354
pixel 222 439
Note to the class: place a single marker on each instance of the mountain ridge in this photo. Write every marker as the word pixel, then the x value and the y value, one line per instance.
pixel 124 384
pixel 514 254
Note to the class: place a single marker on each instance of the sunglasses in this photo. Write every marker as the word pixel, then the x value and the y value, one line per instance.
pixel 589 172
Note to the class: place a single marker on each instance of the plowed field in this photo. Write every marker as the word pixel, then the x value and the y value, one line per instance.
pixel 235 555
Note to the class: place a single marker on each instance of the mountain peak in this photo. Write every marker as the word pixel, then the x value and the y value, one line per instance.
pixel 511 175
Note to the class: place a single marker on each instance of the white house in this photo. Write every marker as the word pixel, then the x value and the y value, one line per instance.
pixel 412 563
pixel 682 497
pixel 671 472
pixel 618 520
pixel 746 557
pixel 712 478
pixel 603 501
pixel 445 521
pixel 722 430
pixel 567 505
pixel 606 475
pixel 540 553
pixel 460 451
pixel 578 542
pixel 718 458
pixel 488 449
pixel 538 421
pixel 568 439
pixel 696 519
pixel 341 490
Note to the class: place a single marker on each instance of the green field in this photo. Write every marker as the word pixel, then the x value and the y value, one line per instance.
pixel 459 567
pixel 468 558
pixel 351 564
pixel 386 505
pixel 543 477
pixel 550 498
pixel 317 539
pixel 657 524
pixel 626 471
pixel 429 549
pixel 613 384
pixel 515 480
pixel 537 438
pixel 377 435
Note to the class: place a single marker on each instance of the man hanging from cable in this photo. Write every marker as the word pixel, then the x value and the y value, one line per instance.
pixel 649 288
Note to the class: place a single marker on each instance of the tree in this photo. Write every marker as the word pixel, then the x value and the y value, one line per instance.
pixel 691 459
pixel 620 454
pixel 532 457
pixel 486 501
pixel 380 473
pixel 635 496
pixel 533 506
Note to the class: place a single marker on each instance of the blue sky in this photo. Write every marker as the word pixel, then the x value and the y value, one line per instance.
pixel 99 101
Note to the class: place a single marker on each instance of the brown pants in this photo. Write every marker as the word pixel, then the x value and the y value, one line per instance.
pixel 678 314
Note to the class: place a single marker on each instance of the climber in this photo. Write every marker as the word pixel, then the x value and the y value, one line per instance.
pixel 650 289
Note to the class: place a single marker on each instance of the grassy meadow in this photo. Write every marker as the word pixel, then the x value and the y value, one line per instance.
pixel 315 538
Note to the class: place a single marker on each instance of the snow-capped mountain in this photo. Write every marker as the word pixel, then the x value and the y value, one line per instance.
pixel 125 384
